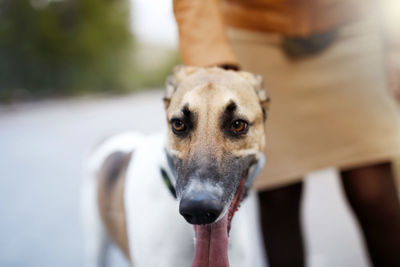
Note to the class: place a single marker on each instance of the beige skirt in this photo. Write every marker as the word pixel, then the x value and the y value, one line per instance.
pixel 328 110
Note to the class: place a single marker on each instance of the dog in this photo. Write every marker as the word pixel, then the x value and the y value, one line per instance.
pixel 153 195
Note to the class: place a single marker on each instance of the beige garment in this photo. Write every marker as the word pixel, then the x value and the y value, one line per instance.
pixel 331 109
pixel 202 23
pixel 290 17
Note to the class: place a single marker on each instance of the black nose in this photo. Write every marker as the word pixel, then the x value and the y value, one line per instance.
pixel 200 208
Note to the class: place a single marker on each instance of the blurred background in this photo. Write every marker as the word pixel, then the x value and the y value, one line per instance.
pixel 74 71
pixel 52 48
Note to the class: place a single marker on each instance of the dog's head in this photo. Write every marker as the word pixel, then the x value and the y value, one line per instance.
pixel 215 136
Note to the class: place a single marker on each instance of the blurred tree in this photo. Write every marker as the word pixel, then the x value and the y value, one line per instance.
pixel 60 47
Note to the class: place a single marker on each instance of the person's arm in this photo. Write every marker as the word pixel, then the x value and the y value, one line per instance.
pixel 390 23
pixel 202 37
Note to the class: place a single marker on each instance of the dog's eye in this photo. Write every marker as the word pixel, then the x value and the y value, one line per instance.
pixel 178 127
pixel 239 126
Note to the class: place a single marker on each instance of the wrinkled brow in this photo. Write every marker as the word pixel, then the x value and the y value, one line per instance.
pixel 186 115
pixel 228 114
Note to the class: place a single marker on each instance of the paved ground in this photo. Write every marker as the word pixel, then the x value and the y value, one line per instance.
pixel 42 148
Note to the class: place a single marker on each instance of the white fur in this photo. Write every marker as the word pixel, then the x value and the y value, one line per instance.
pixel 158 235
pixel 96 240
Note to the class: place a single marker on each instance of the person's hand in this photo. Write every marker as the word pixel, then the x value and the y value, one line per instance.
pixel 393 70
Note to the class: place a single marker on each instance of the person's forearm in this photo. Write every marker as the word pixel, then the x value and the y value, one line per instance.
pixel 202 36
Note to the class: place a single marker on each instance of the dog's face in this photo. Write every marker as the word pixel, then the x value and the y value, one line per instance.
pixel 215 135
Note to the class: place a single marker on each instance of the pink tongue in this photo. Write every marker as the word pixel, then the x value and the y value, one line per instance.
pixel 212 245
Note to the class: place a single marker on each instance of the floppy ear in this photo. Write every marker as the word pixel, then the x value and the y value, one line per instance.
pixel 179 73
pixel 257 83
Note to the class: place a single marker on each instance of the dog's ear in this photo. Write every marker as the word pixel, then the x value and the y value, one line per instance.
pixel 179 73
pixel 257 83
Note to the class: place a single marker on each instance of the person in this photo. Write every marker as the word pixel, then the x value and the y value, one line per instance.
pixel 322 62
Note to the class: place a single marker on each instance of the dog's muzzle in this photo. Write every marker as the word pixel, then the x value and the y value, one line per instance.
pixel 202 200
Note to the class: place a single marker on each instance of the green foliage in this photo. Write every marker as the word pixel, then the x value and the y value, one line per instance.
pixel 66 47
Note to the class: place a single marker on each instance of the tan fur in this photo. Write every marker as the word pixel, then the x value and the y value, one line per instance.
pixel 111 198
pixel 207 92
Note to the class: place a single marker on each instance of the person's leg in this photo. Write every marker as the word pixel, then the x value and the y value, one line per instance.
pixel 371 192
pixel 280 218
